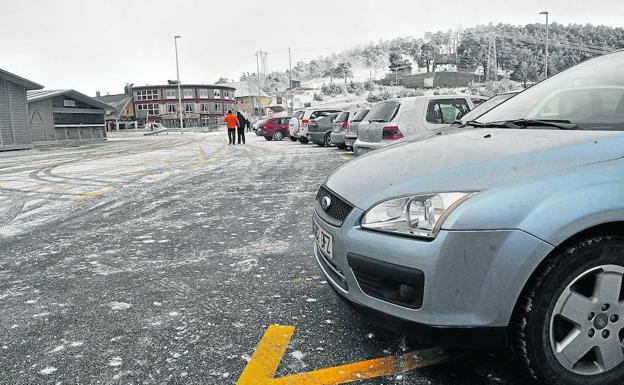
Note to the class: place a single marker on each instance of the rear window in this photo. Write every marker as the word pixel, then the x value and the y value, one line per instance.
pixel 342 117
pixel 360 115
pixel 446 111
pixel 320 114
pixel 384 112
pixel 299 114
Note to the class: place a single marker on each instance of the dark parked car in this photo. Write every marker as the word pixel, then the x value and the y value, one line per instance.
pixel 274 128
pixel 319 129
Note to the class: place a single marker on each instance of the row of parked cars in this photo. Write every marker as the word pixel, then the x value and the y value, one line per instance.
pixel 505 231
pixel 368 128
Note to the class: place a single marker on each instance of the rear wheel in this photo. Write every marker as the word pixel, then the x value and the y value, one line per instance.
pixel 268 138
pixel 303 140
pixel 278 135
pixel 568 327
pixel 327 140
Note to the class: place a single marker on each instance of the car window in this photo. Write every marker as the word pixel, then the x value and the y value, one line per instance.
pixel 384 112
pixel 585 106
pixel 299 114
pixel 319 114
pixel 486 106
pixel 360 115
pixel 446 111
pixel 342 117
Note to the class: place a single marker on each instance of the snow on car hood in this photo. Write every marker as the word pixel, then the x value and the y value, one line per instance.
pixel 469 160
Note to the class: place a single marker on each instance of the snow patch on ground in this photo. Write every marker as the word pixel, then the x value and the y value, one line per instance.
pixel 114 305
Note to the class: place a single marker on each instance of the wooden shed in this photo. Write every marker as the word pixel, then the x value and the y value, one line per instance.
pixel 15 133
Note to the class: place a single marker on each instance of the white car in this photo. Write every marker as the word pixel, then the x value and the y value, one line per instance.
pixel 298 124
pixel 395 119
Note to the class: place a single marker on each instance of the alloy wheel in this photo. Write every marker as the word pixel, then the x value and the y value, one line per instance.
pixel 586 326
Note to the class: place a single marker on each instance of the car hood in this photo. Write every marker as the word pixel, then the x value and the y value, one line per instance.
pixel 471 160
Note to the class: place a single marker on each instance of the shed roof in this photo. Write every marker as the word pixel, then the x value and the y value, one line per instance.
pixel 119 102
pixel 29 85
pixel 34 96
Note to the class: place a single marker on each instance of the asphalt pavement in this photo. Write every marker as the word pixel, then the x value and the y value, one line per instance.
pixel 163 260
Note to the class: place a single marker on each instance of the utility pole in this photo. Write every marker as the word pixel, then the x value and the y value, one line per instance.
pixel 175 39
pixel 546 52
pixel 259 106
pixel 290 84
pixel 492 62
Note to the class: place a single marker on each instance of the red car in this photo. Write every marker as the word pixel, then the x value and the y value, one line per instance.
pixel 275 128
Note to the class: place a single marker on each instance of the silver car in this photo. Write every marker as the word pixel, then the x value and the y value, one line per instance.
pixel 415 116
pixel 342 124
pixel 352 130
pixel 509 232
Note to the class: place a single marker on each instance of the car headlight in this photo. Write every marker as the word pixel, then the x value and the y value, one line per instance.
pixel 415 215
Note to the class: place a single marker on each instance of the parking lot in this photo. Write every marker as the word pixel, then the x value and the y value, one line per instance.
pixel 165 259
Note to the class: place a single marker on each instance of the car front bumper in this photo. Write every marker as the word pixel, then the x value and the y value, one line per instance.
pixel 470 277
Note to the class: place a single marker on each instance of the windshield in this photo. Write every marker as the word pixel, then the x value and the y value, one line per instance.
pixel 589 95
pixel 486 106
pixel 342 117
pixel 383 112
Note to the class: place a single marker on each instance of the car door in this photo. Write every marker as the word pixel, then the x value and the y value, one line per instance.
pixel 284 125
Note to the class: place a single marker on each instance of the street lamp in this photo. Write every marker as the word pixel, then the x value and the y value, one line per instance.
pixel 546 52
pixel 175 40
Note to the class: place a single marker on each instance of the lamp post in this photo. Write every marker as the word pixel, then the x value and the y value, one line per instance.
pixel 175 40
pixel 546 52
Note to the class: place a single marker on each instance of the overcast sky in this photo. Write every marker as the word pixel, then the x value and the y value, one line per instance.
pixel 102 44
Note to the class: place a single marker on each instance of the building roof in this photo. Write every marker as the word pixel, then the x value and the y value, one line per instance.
pixel 246 89
pixel 29 85
pixel 148 86
pixel 34 96
pixel 119 102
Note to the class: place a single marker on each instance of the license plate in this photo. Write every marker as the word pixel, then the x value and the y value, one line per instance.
pixel 323 240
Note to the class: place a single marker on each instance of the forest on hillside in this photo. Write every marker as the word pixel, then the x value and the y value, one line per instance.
pixel 519 52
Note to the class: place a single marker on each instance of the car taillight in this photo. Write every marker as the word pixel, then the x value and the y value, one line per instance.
pixel 391 133
pixel 304 122
pixel 345 124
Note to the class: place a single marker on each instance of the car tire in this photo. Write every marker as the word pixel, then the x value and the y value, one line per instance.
pixel 293 138
pixel 327 140
pixel 303 140
pixel 269 138
pixel 278 135
pixel 320 144
pixel 341 146
pixel 561 344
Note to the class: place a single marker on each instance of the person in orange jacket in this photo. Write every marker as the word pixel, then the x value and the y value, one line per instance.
pixel 232 123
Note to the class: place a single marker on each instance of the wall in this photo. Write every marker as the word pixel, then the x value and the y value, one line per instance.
pixel 14 128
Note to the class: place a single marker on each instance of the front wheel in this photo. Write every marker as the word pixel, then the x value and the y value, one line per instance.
pixel 268 138
pixel 278 135
pixel 303 140
pixel 293 138
pixel 568 326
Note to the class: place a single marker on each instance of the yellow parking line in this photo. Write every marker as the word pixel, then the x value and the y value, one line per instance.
pixel 263 364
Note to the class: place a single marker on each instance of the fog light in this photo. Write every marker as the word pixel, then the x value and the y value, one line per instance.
pixel 407 293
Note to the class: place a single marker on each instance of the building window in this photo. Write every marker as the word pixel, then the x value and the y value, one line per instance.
pixel 152 108
pixel 205 121
pixel 189 107
pixel 203 93
pixel 188 93
pixel 171 93
pixel 204 107
pixel 217 93
pixel 172 108
pixel 69 103
pixel 147 95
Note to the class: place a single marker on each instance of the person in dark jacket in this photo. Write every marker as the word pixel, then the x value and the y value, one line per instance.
pixel 241 127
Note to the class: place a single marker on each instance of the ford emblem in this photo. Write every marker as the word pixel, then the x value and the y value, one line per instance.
pixel 325 202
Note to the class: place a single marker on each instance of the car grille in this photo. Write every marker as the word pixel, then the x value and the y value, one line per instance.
pixel 337 211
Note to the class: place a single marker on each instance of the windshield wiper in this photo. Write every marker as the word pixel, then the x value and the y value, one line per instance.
pixel 524 123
